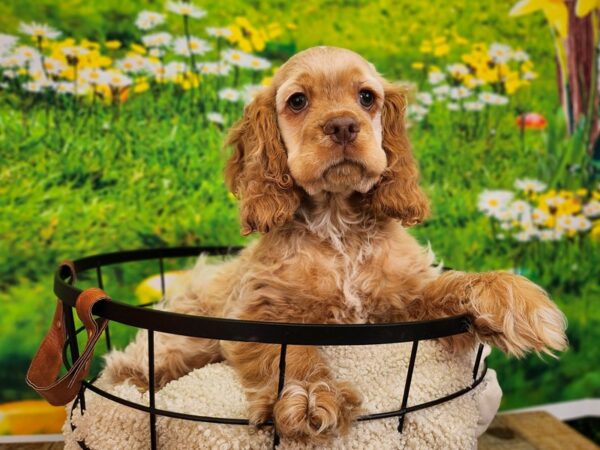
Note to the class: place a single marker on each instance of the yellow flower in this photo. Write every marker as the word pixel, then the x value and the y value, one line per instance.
pixel 441 50
pixel 417 65
pixel 90 45
pixel 103 61
pixel 266 81
pixel 291 26
pixel 113 45
pixel 425 47
pixel 555 11
pixel 140 49
pixel 460 40
pixel 273 30
pixel 595 233
pixel 141 86
pixel 582 192
pixel 584 7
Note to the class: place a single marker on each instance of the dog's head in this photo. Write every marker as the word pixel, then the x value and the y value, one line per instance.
pixel 328 123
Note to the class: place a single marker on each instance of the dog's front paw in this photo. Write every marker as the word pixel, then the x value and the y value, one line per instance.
pixel 315 411
pixel 516 315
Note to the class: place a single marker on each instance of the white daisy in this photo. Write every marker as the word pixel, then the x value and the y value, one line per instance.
pixel 417 112
pixel 529 185
pixel 69 87
pixel 249 91
pixel 25 54
pixel 520 208
pixel 162 39
pixel 567 222
pixel 425 98
pixel 229 94
pixel 520 56
pixel 500 53
pixel 258 63
pixel 592 209
pixel 223 32
pixel 74 51
pixel 213 68
pixel 582 223
pixel 174 68
pixel 54 66
pixel 147 20
pixel 555 201
pixel 116 79
pixel 39 30
pixel 460 92
pixel 38 86
pixel 529 75
pixel 457 70
pixel 186 9
pixel 133 63
pixel 215 117
pixel 493 99
pixel 196 46
pixel 474 106
pixel 236 57
pixel 453 106
pixel 156 52
pixel 526 235
pixel 435 77
pixel 7 42
pixel 492 203
pixel 550 235
pixel 92 75
pixel 441 90
pixel 538 216
pixel 474 82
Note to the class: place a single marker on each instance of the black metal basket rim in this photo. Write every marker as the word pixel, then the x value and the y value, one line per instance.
pixel 242 330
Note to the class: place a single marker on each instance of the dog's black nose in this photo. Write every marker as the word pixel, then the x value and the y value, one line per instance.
pixel 342 130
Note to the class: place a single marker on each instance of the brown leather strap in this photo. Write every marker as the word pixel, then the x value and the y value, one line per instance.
pixel 46 363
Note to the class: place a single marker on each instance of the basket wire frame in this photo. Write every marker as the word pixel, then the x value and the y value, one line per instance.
pixel 388 333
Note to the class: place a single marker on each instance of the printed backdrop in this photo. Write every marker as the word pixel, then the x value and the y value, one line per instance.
pixel 112 117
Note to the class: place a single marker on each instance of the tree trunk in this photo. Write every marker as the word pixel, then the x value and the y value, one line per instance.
pixel 582 60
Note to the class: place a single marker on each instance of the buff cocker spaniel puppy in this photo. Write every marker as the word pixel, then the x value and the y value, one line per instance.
pixel 323 170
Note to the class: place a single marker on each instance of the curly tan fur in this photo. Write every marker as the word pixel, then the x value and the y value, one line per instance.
pixel 333 250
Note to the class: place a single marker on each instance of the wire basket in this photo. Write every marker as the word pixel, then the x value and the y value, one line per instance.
pixel 283 334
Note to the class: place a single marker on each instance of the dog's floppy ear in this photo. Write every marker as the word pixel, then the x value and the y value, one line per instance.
pixel 257 171
pixel 397 194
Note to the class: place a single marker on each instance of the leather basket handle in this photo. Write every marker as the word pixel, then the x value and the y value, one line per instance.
pixel 45 365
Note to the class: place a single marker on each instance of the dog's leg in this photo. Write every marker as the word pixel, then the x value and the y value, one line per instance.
pixel 174 356
pixel 508 311
pixel 312 404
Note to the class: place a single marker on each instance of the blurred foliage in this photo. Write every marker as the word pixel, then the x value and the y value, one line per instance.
pixel 77 185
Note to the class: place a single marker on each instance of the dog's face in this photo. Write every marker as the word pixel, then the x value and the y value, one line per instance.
pixel 329 107
pixel 328 123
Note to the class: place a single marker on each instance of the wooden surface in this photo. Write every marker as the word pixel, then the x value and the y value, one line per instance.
pixel 532 431
pixel 525 431
pixel 33 446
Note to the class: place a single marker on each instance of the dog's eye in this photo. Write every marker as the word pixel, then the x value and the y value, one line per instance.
pixel 297 102
pixel 366 98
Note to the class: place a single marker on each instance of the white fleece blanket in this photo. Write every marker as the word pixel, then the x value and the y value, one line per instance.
pixel 378 371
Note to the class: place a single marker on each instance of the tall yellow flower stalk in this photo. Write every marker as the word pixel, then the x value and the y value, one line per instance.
pixel 575 27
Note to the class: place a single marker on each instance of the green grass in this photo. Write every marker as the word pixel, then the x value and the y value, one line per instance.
pixel 78 183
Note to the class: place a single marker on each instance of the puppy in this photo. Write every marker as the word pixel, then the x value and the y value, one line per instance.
pixel 323 170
